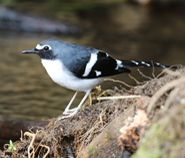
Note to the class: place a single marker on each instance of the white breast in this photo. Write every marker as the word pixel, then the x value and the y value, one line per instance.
pixel 63 77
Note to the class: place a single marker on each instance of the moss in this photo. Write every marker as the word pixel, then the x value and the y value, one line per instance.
pixel 163 140
pixel 109 136
pixel 92 151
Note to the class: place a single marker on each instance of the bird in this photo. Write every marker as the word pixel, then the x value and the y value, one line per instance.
pixel 80 68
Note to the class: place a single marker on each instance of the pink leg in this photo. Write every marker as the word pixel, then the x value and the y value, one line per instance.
pixel 71 112
pixel 66 111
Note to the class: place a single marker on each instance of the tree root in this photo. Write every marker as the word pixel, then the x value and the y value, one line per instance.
pixel 32 147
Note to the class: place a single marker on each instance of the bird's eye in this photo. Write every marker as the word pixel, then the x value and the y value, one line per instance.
pixel 46 48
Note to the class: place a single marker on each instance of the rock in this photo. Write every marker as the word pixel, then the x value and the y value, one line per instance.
pixel 11 19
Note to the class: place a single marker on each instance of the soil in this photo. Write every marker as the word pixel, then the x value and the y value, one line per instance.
pixel 151 123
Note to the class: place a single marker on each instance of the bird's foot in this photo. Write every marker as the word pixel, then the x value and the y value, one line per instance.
pixel 67 113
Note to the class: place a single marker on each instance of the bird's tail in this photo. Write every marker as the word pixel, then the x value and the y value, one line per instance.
pixel 133 63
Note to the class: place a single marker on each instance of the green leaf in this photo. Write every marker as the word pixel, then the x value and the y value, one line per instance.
pixel 11 144
pixel 82 107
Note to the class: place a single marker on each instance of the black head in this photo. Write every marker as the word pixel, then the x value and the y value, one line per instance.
pixel 47 49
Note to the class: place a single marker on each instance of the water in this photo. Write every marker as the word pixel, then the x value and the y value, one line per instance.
pixel 28 93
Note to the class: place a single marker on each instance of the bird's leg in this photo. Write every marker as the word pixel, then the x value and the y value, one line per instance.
pixel 66 111
pixel 72 112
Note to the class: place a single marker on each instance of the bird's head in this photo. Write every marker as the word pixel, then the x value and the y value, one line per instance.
pixel 47 49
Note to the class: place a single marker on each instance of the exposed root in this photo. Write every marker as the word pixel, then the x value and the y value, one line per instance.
pixel 96 91
pixel 118 81
pixel 98 95
pixel 170 72
pixel 21 136
pixel 143 75
pixel 31 143
pixel 118 97
pixel 48 150
pixel 171 97
pixel 160 92
pixel 32 147
pixel 106 91
pixel 153 69
pixel 133 78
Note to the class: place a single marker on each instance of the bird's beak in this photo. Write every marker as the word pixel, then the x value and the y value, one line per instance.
pixel 30 51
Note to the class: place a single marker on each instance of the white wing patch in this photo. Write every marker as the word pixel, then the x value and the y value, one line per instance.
pixel 107 54
pixel 119 64
pixel 98 73
pixel 90 64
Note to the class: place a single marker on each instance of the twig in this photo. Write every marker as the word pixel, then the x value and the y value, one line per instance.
pixel 106 91
pixel 170 72
pixel 21 136
pixel 118 81
pixel 118 97
pixel 133 78
pixel 143 75
pixel 162 72
pixel 153 69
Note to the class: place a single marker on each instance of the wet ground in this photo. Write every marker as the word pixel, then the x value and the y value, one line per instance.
pixel 125 31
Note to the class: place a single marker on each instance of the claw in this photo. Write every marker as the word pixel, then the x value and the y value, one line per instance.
pixel 71 112
pixel 67 114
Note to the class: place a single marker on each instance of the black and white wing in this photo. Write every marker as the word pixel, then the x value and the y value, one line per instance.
pixel 98 64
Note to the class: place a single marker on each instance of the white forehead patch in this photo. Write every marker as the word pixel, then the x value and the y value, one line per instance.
pixel 39 47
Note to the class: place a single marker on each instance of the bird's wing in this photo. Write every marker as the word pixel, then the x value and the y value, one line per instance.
pixel 97 64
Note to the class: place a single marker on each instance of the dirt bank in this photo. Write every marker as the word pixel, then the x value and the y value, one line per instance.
pixel 151 123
